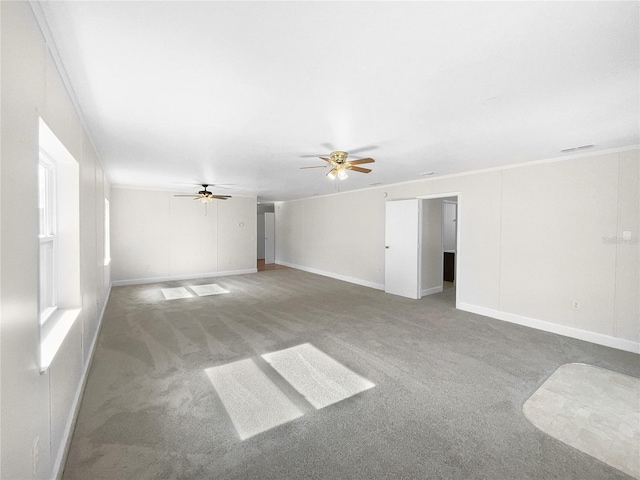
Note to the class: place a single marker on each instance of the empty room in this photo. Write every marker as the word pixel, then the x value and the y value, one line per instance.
pixel 319 240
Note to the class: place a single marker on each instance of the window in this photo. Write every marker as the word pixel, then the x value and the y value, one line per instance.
pixel 107 233
pixel 47 235
pixel 60 296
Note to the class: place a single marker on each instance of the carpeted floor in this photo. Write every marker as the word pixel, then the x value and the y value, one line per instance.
pixel 447 401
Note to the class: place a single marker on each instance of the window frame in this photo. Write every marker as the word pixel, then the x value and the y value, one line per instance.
pixel 107 232
pixel 47 236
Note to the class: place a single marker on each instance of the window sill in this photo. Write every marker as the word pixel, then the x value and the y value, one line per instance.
pixel 53 334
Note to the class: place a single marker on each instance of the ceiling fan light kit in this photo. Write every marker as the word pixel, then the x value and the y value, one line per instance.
pixel 204 195
pixel 340 165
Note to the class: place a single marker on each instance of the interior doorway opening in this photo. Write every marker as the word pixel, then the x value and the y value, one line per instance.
pixel 420 258
pixel 265 241
pixel 439 245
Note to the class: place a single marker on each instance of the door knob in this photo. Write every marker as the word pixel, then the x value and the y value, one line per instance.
pixel 386 246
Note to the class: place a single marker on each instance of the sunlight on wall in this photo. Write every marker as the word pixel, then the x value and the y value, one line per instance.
pixel 256 404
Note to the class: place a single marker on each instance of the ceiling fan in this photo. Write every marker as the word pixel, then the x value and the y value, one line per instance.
pixel 340 165
pixel 204 195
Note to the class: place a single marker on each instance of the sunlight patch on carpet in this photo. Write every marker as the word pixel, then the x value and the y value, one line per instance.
pixel 211 289
pixel 314 374
pixel 254 403
pixel 174 293
pixel 592 409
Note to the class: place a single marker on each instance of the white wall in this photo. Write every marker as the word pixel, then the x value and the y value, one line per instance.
pixel 34 405
pixel 531 239
pixel 431 246
pixel 156 236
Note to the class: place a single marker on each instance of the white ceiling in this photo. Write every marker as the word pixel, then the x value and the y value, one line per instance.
pixel 237 92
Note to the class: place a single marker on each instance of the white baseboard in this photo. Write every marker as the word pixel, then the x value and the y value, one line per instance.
pixel 599 338
pixel 169 278
pixel 430 291
pixel 63 451
pixel 344 278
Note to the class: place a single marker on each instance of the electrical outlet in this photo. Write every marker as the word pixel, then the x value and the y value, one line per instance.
pixel 35 453
pixel 575 305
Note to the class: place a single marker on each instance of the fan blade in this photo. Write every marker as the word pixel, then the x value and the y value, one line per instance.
pixel 328 147
pixel 362 149
pixel 221 197
pixel 317 166
pixel 359 169
pixel 325 159
pixel 199 184
pixel 364 160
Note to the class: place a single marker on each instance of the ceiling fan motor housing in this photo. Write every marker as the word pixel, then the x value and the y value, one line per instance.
pixel 338 157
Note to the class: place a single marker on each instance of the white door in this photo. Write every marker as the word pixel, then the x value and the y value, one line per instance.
pixel 402 255
pixel 269 238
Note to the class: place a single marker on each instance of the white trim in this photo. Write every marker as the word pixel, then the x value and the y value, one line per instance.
pixel 593 337
pixel 443 195
pixel 65 444
pixel 53 333
pixel 430 291
pixel 324 273
pixel 169 278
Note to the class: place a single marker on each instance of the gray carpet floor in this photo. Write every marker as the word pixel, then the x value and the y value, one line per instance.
pixel 447 401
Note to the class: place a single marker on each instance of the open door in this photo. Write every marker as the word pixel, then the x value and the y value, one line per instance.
pixel 402 248
pixel 269 238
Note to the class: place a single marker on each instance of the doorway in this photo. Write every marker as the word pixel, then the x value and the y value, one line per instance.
pixel 439 240
pixel 421 239
pixel 449 240
pixel 265 241
pixel 269 238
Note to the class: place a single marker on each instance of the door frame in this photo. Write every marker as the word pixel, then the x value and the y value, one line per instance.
pixel 459 255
